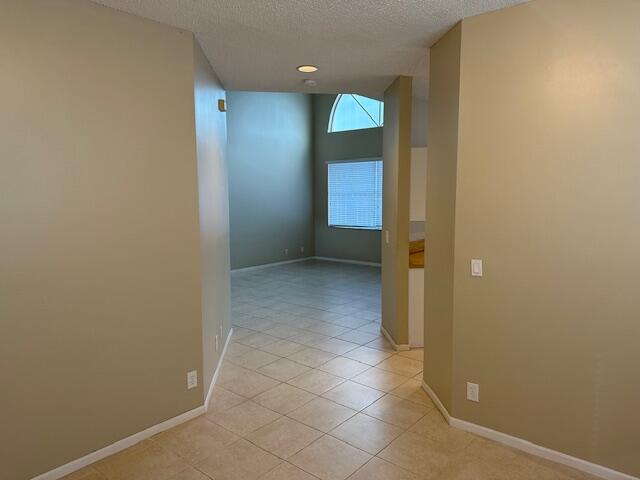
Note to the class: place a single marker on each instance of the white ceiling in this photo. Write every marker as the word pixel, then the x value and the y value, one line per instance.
pixel 359 45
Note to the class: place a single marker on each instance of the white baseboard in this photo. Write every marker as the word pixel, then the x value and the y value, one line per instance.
pixel 437 401
pixel 397 347
pixel 214 379
pixel 118 446
pixel 127 442
pixel 344 260
pixel 527 446
pixel 268 265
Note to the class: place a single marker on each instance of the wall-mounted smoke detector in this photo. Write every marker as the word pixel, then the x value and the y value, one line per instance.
pixel 310 83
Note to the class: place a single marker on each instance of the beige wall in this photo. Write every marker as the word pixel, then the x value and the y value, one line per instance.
pixel 211 141
pixel 396 157
pixel 547 195
pixel 440 213
pixel 100 275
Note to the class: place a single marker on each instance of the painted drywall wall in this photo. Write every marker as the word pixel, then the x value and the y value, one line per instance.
pixel 547 195
pixel 418 184
pixel 396 157
pixel 213 191
pixel 270 177
pixel 100 252
pixel 351 244
pixel 440 210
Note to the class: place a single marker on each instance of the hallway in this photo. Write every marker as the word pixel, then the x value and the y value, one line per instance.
pixel 309 389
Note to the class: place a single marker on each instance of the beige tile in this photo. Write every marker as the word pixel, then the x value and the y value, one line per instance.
pixel 195 440
pixel 371 327
pixel 412 390
pixel 470 468
pixel 311 357
pixel 381 343
pixel 283 348
pixel 344 367
pixel 316 381
pixel 378 469
pixel 370 356
pixel 283 369
pixel 328 329
pixel 284 398
pixel 413 354
pixel 149 461
pixel 284 437
pixel 230 371
pixel 397 411
pixel 254 359
pixel 236 349
pixel 257 340
pixel 336 346
pixel 238 461
pixel 401 366
pixel 434 426
pixel 380 379
pixel 358 336
pixel 283 331
pixel 287 471
pixel 190 474
pixel 310 339
pixel 492 451
pixel 330 459
pixel 322 414
pixel 240 332
pixel 249 384
pixel 245 418
pixel 222 400
pixel 353 395
pixel 366 433
pixel 418 455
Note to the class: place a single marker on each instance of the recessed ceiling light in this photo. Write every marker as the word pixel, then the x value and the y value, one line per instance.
pixel 307 68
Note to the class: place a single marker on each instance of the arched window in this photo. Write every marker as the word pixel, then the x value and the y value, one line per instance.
pixel 354 112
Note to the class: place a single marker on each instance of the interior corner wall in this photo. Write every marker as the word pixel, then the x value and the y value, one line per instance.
pixel 440 213
pixel 547 195
pixel 343 243
pixel 270 161
pixel 396 186
pixel 213 192
pixel 100 251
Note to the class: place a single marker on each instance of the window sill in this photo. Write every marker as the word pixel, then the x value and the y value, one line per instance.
pixel 373 229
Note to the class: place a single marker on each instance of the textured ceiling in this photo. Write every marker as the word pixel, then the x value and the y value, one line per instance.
pixel 359 45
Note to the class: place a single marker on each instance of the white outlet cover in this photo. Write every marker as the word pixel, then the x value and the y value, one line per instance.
pixel 476 267
pixel 192 379
pixel 473 392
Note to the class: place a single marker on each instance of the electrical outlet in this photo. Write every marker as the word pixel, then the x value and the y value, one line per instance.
pixel 286 251
pixel 301 249
pixel 473 392
pixel 192 379
pixel 217 340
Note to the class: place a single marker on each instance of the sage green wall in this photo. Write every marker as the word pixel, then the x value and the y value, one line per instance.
pixel 213 191
pixel 351 244
pixel 270 177
pixel 101 250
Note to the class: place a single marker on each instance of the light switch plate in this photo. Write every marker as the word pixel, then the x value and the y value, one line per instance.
pixel 476 267
pixel 473 392
pixel 192 379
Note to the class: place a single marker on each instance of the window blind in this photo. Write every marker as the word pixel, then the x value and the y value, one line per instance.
pixel 355 194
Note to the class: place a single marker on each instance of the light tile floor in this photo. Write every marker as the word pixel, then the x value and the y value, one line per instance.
pixel 309 389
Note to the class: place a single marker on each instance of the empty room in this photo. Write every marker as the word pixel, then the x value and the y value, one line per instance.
pixel 293 240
